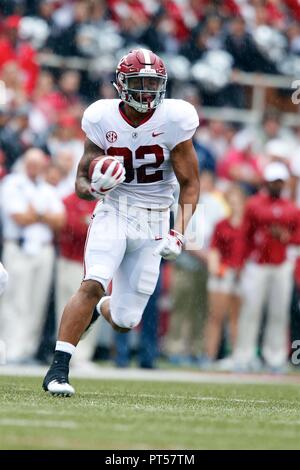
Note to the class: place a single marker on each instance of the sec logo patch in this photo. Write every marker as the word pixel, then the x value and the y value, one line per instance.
pixel 111 136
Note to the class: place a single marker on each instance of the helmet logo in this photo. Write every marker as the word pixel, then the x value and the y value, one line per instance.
pixel 111 136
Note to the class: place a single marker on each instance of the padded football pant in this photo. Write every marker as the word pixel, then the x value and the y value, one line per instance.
pixel 120 247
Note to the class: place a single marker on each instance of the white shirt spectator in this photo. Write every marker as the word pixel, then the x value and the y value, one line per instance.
pixel 18 193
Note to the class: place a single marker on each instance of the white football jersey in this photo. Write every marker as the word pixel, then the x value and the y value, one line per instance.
pixel 144 150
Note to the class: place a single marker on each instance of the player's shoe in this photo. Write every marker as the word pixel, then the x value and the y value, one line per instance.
pixel 56 381
pixel 59 387
pixel 96 315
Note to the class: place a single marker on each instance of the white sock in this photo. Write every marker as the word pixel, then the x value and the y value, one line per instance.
pixel 98 306
pixel 65 347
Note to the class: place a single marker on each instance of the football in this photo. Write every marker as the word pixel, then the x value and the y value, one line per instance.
pixel 104 166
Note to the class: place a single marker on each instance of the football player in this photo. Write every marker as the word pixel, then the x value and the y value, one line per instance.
pixel 3 278
pixel 150 140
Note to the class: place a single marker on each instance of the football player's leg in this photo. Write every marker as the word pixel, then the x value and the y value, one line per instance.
pixel 105 249
pixel 133 284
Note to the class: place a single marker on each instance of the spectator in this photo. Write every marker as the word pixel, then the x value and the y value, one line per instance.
pixel 189 279
pixel 241 165
pixel 269 129
pixel 293 34
pixel 194 50
pixel 64 41
pixel 213 136
pixel 65 136
pixel 54 174
pixel 205 158
pixel 213 27
pixel 22 53
pixel 69 85
pixel 32 214
pixel 11 75
pixel 10 144
pixel 67 165
pixel 161 34
pixel 277 150
pixel 295 176
pixel 224 263
pixel 241 46
pixel 271 223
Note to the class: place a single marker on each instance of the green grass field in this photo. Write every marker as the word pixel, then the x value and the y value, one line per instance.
pixel 144 415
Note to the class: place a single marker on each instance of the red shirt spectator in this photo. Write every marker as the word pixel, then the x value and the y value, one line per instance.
pixel 240 166
pixel 294 6
pixel 20 52
pixel 73 235
pixel 227 239
pixel 121 8
pixel 276 14
pixel 265 219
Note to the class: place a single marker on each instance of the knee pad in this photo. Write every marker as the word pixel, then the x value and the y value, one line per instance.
pixel 127 311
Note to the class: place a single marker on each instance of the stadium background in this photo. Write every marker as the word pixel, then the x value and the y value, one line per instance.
pixel 234 60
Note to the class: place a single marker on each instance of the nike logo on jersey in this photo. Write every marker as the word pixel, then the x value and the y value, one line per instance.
pixel 155 134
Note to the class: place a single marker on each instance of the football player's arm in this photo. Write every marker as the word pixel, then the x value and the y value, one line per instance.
pixel 185 165
pixel 82 184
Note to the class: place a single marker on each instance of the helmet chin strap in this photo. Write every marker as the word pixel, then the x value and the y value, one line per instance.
pixel 115 85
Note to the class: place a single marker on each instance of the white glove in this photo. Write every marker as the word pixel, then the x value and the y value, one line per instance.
pixel 108 173
pixel 3 278
pixel 170 247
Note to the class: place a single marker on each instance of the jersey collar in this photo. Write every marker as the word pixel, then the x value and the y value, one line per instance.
pixel 146 118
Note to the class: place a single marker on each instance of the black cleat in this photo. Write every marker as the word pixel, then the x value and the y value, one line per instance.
pixel 56 381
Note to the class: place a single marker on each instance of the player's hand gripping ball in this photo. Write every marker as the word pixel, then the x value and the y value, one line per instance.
pixel 105 174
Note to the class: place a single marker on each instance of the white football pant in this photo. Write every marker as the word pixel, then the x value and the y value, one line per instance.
pixel 120 245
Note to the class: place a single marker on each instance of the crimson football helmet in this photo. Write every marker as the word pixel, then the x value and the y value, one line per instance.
pixel 141 79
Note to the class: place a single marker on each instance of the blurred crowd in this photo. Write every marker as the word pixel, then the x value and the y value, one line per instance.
pixel 212 308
